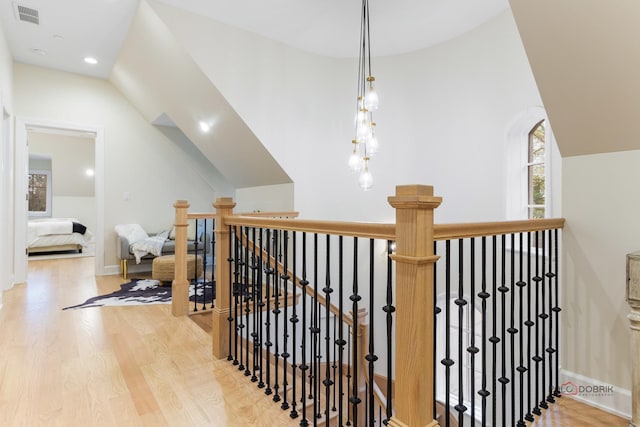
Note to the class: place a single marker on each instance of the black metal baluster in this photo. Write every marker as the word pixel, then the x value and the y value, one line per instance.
pixel 213 262
pixel 503 289
pixel 230 318
pixel 484 393
pixel 240 286
pixel 472 349
pixel 304 367
pixel 521 367
pixel 315 330
pixel 341 341
pixel 334 365
pixel 355 298
pixel 236 285
pixel 285 354
pixel 294 326
pixel 461 303
pixel 204 266
pixel 349 406
pixel 436 312
pixel 512 329
pixel 494 340
pixel 543 320
pixel 536 358
pixel 267 295
pixel 550 275
pixel 389 309
pixel 276 311
pixel 529 323
pixel 371 357
pixel 556 311
pixel 255 268
pixel 261 305
pixel 191 282
pixel 327 335
pixel 245 297
pixel 447 362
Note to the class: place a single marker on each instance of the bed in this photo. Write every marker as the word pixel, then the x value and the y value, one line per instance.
pixel 56 235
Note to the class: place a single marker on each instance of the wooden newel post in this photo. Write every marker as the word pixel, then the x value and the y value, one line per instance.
pixel 415 263
pixel 222 310
pixel 180 284
pixel 633 298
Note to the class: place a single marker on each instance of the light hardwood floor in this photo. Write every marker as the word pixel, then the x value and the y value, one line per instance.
pixel 135 366
pixel 113 366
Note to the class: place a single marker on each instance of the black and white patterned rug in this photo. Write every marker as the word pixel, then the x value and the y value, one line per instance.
pixel 146 291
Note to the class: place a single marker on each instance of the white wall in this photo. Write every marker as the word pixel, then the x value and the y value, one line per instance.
pixel 140 162
pixel 71 157
pixel 267 198
pixel 6 167
pixel 601 204
pixel 452 101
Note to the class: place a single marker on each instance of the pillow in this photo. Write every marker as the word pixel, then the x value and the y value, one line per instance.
pixel 132 232
pixel 191 230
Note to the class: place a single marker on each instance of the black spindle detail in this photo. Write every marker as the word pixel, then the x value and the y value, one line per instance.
pixel 529 323
pixel 472 349
pixel 230 318
pixel 371 357
pixel 285 283
pixel 276 311
pixel 294 327
pixel 543 320
pixel 341 341
pixel 447 361
pixel 267 295
pixel 556 311
pixel 503 289
pixel 512 329
pixel 484 295
pixel 355 298
pixel 389 309
pixel 304 367
pixel 522 369
pixel 536 358
pixel 327 382
pixel 461 302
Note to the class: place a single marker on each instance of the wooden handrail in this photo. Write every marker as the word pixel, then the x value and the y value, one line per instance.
pixel 479 229
pixel 271 214
pixel 201 215
pixel 357 229
pixel 388 231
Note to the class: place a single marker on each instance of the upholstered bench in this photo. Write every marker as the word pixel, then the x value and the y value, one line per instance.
pixel 163 267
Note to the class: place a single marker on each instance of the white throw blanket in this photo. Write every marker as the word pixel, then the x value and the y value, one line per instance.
pixel 47 227
pixel 149 245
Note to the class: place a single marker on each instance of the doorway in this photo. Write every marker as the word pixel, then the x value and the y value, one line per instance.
pixel 25 127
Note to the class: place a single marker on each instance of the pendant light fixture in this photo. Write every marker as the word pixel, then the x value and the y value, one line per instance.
pixel 365 144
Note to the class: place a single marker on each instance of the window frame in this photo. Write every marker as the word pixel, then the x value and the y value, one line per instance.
pixel 517 160
pixel 48 196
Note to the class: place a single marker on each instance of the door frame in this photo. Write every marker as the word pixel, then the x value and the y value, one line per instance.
pixel 23 125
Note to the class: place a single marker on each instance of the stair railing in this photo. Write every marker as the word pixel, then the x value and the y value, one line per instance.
pixel 410 300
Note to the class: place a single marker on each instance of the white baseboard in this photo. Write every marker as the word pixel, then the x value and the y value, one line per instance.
pixel 612 399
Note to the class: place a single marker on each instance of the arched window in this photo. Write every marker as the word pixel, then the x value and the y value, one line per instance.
pixel 532 162
pixel 536 171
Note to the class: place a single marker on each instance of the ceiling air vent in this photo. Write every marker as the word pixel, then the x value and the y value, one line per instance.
pixel 26 14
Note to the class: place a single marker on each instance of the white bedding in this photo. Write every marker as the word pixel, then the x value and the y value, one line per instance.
pixel 61 239
pixel 54 232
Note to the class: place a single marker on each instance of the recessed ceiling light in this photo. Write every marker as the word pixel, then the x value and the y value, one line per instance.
pixel 90 60
pixel 89 172
pixel 204 126
pixel 37 51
